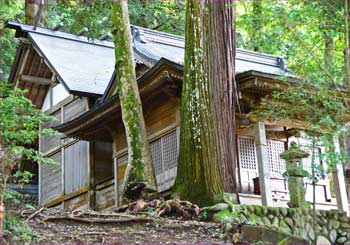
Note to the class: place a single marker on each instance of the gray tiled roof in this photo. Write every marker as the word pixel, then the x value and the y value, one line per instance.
pixel 86 65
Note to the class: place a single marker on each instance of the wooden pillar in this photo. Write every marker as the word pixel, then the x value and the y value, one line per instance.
pixel 116 173
pixel 339 182
pixel 263 165
pixel 91 174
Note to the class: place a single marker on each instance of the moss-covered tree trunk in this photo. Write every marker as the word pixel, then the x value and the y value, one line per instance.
pixel 207 141
pixel 31 10
pixel 140 167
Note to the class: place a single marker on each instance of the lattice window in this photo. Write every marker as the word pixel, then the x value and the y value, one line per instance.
pixel 247 153
pixel 307 162
pixel 169 149
pixel 164 154
pixel 277 166
pixel 156 152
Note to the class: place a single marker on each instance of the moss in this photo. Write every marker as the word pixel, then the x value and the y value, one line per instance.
pixel 125 85
pixel 226 216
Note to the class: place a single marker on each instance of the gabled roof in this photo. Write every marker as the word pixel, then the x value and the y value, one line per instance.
pixel 86 65
pixel 87 126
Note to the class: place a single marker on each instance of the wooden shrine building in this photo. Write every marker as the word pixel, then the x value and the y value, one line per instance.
pixel 70 77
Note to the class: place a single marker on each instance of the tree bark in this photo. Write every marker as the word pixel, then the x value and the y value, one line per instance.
pixel 207 140
pixel 140 167
pixel 222 85
pixel 329 56
pixel 31 10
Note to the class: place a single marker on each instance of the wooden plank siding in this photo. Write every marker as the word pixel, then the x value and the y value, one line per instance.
pixel 162 120
pixel 75 166
pixel 70 175
pixel 51 183
pixel 47 142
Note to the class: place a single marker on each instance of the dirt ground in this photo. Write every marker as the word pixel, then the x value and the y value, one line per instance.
pixel 162 231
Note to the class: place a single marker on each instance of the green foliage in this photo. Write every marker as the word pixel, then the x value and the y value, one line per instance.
pixel 13 196
pixel 165 16
pixel 9 10
pixel 22 178
pixel 296 30
pixel 322 110
pixel 19 125
pixel 16 232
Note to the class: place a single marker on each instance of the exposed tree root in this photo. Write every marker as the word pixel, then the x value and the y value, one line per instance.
pixel 34 214
pixel 174 207
pixel 100 221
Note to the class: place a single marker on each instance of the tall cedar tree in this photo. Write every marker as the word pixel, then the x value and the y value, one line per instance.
pixel 140 167
pixel 207 143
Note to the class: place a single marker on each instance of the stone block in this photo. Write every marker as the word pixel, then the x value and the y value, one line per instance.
pixel 253 234
pixel 333 236
pixel 321 240
pixel 335 224
pixel 284 211
pixel 341 240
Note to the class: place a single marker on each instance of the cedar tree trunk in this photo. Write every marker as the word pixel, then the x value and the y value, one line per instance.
pixel 140 167
pixel 207 141
pixel 31 10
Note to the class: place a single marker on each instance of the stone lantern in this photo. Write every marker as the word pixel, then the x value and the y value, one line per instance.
pixel 296 174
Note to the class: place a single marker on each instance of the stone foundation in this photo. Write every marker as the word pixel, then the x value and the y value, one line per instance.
pixel 332 225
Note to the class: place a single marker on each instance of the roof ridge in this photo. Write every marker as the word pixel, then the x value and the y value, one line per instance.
pixel 109 44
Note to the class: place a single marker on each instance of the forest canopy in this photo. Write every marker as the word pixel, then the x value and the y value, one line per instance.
pixel 309 34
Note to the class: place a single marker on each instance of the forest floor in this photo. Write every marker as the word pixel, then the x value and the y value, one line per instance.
pixel 162 231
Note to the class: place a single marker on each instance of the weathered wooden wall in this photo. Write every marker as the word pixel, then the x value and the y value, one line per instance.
pixel 51 180
pixel 75 166
pixel 162 120
pixel 70 174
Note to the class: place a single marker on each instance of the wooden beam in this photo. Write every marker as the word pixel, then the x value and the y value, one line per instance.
pixel 91 174
pixel 66 197
pixel 116 174
pixel 339 182
pixel 36 80
pixel 22 66
pixel 263 165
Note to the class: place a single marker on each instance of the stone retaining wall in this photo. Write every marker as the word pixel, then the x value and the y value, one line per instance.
pixel 332 225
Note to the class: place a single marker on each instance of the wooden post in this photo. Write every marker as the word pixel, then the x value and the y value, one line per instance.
pixel 116 173
pixel 339 182
pixel 263 166
pixel 91 175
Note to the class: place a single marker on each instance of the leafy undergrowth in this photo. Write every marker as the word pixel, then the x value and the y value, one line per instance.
pixel 16 232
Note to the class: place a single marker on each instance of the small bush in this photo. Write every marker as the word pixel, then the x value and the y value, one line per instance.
pixel 16 232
